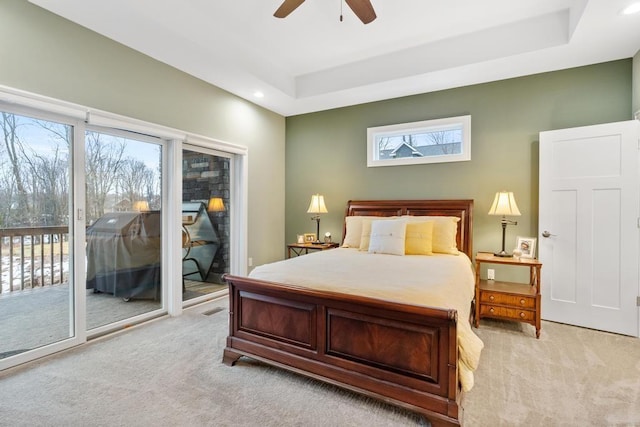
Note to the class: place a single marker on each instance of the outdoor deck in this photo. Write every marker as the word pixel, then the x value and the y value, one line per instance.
pixel 34 291
pixel 40 316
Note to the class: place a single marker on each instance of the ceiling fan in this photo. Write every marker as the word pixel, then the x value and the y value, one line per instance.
pixel 362 9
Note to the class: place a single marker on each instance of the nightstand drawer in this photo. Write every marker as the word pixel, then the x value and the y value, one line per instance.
pixel 512 300
pixel 507 313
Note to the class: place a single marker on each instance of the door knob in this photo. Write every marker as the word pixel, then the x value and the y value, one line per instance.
pixel 545 233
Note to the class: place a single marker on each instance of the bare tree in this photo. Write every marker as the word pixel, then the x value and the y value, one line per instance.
pixel 14 150
pixel 384 143
pixel 135 179
pixel 51 188
pixel 102 165
pixel 7 191
pixel 443 140
pixel 50 175
pixel 34 171
pixel 151 188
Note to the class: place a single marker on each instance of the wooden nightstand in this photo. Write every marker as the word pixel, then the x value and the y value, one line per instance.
pixel 304 248
pixel 508 300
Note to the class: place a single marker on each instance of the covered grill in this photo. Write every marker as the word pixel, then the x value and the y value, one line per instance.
pixel 123 254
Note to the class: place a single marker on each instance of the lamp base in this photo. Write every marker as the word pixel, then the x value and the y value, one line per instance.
pixel 502 254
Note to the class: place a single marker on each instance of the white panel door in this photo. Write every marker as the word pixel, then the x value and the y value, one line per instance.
pixel 588 223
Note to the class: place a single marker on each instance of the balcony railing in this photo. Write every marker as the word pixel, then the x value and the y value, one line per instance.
pixel 33 257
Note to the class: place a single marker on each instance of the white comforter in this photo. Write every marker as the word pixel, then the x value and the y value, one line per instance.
pixel 444 281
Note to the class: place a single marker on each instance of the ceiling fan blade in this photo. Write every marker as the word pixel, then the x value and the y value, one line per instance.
pixel 287 7
pixel 363 10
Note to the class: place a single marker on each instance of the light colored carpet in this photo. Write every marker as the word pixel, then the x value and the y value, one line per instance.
pixel 569 377
pixel 169 372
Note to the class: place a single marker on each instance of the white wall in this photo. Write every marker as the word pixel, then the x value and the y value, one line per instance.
pixel 635 101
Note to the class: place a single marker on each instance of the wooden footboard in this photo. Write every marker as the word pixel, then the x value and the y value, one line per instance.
pixel 402 354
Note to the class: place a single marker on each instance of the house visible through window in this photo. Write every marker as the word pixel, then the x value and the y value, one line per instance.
pixel 431 141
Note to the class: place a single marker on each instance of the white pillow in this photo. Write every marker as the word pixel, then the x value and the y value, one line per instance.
pixel 387 237
pixel 445 231
pixel 365 238
pixel 353 230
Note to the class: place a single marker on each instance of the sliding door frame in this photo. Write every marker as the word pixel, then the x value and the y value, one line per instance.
pixel 238 220
pixel 83 118
pixel 165 283
pixel 77 304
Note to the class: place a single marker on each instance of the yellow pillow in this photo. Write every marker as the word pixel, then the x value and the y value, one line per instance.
pixel 365 235
pixel 419 238
pixel 444 236
pixel 445 231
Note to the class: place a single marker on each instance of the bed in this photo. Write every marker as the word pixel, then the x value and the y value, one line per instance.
pixel 402 351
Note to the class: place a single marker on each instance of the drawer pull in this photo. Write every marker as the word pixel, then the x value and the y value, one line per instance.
pixel 522 314
pixel 491 310
pixel 522 301
pixel 491 297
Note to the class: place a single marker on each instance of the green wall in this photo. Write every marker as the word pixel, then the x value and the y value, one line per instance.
pixel 326 151
pixel 48 55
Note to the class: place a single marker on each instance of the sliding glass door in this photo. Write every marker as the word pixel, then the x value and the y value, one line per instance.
pixel 124 226
pixel 206 220
pixel 36 233
pixel 87 225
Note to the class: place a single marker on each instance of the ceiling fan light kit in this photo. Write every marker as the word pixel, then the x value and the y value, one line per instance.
pixel 362 8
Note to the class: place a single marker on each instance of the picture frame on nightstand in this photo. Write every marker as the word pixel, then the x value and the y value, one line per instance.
pixel 309 237
pixel 527 246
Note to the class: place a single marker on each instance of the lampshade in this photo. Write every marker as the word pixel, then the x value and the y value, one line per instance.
pixel 504 204
pixel 317 205
pixel 215 205
pixel 141 206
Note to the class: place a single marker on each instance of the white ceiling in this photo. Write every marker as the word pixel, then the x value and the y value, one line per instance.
pixel 311 61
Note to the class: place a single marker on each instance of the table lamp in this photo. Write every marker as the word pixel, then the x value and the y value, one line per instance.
pixel 215 205
pixel 141 206
pixel 504 204
pixel 317 207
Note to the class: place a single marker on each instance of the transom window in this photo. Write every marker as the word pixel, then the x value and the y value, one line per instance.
pixel 429 141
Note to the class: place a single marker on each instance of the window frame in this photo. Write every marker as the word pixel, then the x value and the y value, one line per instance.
pixel 413 128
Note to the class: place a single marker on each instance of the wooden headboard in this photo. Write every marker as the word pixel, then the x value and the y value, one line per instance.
pixel 462 209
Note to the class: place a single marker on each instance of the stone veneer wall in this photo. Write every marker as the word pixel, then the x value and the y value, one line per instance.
pixel 205 176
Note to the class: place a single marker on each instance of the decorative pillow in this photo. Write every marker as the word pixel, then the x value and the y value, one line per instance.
pixel 365 229
pixel 365 234
pixel 387 237
pixel 419 238
pixel 445 230
pixel 353 232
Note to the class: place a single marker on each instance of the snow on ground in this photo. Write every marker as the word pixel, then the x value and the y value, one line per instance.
pixel 22 276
